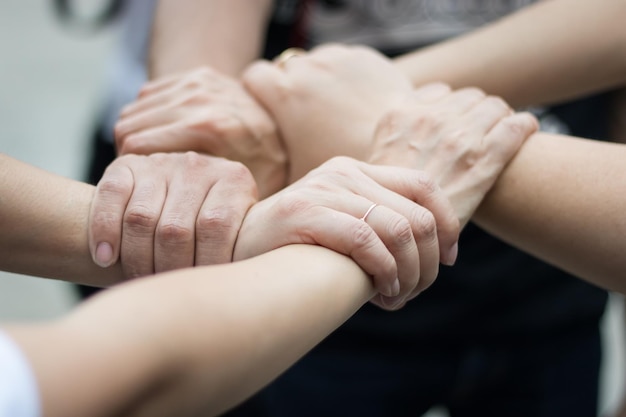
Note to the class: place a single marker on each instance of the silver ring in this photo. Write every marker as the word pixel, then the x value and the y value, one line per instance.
pixel 367 213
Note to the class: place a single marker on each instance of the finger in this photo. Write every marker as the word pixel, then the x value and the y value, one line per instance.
pixel 508 135
pixel 267 83
pixel 222 214
pixel 159 84
pixel 425 256
pixel 174 243
pixel 107 212
pixel 140 221
pixel 407 228
pixel 165 138
pixel 430 255
pixel 159 98
pixel 353 237
pixel 149 119
pixel 487 113
pixel 460 101
pixel 418 187
pixel 396 233
pixel 430 93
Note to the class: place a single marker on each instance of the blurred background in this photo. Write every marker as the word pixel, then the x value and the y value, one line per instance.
pixel 51 81
pixel 52 77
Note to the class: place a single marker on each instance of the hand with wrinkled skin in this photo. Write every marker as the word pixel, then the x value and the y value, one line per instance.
pixel 462 138
pixel 326 103
pixel 208 112
pixel 399 242
pixel 167 211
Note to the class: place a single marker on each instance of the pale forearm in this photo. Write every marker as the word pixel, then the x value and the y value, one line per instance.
pixel 533 56
pixel 562 200
pixel 193 340
pixel 224 34
pixel 43 218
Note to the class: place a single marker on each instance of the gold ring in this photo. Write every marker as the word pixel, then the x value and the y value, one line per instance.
pixel 287 54
pixel 367 213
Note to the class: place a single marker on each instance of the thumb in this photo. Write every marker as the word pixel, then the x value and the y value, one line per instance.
pixel 268 84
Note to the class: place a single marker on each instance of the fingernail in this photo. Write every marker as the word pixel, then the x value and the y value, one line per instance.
pixel 452 254
pixel 104 254
pixel 392 303
pixel 394 290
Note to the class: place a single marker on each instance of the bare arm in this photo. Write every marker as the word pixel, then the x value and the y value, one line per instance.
pixel 548 52
pixel 225 34
pixel 54 245
pixel 562 199
pixel 195 341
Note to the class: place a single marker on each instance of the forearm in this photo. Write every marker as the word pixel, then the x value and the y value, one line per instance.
pixel 533 56
pixel 562 199
pixel 43 218
pixel 225 34
pixel 195 340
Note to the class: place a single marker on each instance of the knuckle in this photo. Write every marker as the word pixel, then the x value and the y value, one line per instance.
pixel 114 185
pixel 338 167
pixel 292 204
pixel 216 223
pixel 424 224
pixel 394 116
pixel 363 236
pixel 427 121
pixel 318 184
pixel 426 183
pixel 141 219
pixel 193 160
pixel 173 232
pixel 238 172
pixel 217 124
pixel 400 230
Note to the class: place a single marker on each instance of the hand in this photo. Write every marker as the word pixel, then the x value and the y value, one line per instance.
pixel 327 102
pixel 167 211
pixel 462 138
pixel 399 243
pixel 207 112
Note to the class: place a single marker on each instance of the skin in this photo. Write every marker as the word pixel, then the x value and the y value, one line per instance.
pixel 152 359
pixel 168 211
pixel 232 34
pixel 197 101
pixel 206 111
pixel 449 129
pixel 331 66
pixel 155 361
pixel 61 244
pixel 536 202
pixel 564 64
